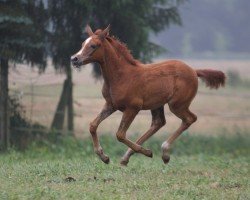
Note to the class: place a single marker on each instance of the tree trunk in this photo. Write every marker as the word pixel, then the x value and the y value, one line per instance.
pixel 58 120
pixel 70 100
pixel 66 100
pixel 4 108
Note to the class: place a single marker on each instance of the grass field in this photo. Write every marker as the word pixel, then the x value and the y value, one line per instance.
pixel 200 168
pixel 211 161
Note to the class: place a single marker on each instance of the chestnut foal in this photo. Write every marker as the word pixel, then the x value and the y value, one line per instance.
pixel 131 86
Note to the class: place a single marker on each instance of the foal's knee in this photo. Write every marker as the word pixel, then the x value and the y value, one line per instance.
pixel 162 123
pixel 120 136
pixel 159 123
pixel 190 120
pixel 92 128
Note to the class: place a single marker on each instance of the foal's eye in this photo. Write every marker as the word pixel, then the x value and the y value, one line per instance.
pixel 93 46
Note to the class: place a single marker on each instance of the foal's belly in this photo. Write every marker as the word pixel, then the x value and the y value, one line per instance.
pixel 157 92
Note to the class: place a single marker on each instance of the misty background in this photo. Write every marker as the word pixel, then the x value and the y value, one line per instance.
pixel 210 29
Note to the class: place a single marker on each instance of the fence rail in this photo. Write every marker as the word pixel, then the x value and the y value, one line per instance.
pixel 28 80
pixel 244 96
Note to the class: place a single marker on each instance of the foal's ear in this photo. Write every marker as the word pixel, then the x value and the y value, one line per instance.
pixel 89 30
pixel 105 32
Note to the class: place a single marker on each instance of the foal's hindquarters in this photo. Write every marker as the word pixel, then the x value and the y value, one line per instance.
pixel 179 105
pixel 184 88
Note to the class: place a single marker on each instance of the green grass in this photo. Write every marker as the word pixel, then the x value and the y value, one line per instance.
pixel 200 168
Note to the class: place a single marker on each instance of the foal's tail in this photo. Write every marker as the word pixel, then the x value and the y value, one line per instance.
pixel 213 78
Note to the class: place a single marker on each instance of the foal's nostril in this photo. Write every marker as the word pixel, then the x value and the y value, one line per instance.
pixel 74 59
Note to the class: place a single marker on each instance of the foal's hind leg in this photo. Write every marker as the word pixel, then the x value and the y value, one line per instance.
pixel 158 120
pixel 187 118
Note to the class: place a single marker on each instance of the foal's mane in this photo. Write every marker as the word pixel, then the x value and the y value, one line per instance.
pixel 123 50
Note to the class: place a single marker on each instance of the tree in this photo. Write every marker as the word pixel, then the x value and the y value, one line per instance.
pixel 131 21
pixel 67 19
pixel 22 39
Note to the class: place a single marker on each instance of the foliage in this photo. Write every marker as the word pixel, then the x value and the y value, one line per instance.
pixel 22 31
pixel 22 39
pixel 22 131
pixel 67 22
pixel 204 168
pixel 68 19
pixel 131 22
pixel 235 80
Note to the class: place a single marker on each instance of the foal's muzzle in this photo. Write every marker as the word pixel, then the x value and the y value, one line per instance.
pixel 75 61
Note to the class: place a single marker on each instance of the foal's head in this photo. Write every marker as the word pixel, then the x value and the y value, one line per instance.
pixel 92 48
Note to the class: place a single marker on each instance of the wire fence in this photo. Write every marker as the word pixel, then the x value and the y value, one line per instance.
pixel 29 81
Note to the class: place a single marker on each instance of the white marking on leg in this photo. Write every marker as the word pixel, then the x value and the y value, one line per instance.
pixel 165 146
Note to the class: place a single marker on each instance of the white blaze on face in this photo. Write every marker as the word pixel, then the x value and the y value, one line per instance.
pixel 84 46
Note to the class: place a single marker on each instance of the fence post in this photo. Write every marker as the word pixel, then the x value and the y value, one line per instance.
pixel 4 115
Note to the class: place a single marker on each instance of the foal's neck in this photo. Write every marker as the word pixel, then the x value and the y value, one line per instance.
pixel 113 66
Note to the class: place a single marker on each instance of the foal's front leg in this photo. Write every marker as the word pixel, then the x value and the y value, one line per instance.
pixel 127 118
pixel 106 111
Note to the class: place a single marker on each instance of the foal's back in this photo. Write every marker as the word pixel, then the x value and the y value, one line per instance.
pixel 166 82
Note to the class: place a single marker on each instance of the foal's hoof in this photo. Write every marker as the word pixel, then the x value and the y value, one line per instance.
pixel 105 159
pixel 148 153
pixel 166 159
pixel 124 162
